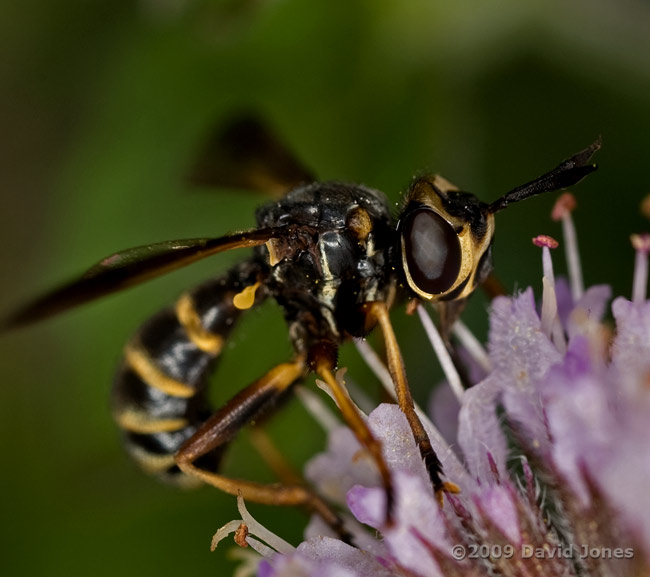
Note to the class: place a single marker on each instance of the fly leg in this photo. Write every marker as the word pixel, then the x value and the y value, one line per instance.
pixel 322 362
pixel 377 312
pixel 252 402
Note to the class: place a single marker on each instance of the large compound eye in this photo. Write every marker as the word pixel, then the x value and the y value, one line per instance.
pixel 431 251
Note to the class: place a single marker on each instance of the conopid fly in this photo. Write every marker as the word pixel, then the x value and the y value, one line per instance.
pixel 334 259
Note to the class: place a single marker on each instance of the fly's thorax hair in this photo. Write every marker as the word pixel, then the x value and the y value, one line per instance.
pixel 445 237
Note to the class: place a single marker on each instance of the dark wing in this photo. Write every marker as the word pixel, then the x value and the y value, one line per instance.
pixel 133 266
pixel 247 154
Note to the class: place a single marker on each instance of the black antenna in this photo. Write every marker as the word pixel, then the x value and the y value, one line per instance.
pixel 567 173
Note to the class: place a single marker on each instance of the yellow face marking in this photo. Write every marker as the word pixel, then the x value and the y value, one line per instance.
pixel 141 422
pixel 188 317
pixel 246 298
pixel 472 250
pixel 138 359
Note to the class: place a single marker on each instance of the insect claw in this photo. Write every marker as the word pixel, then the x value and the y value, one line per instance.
pixel 447 487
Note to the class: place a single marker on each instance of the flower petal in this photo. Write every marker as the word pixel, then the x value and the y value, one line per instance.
pixel 631 348
pixel 479 431
pixel 368 505
pixel 497 505
pixel 389 425
pixel 579 416
pixel 342 466
pixel 522 355
pixel 326 557
pixel 589 310
pixel 443 408
pixel 419 518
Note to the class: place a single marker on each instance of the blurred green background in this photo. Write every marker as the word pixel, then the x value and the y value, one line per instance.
pixel 104 106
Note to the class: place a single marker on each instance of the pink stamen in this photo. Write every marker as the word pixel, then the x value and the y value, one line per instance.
pixel 562 210
pixel 543 240
pixel 564 205
pixel 547 243
pixel 641 243
pixel 551 326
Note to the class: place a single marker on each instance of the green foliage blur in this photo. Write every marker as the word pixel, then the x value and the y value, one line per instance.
pixel 105 105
